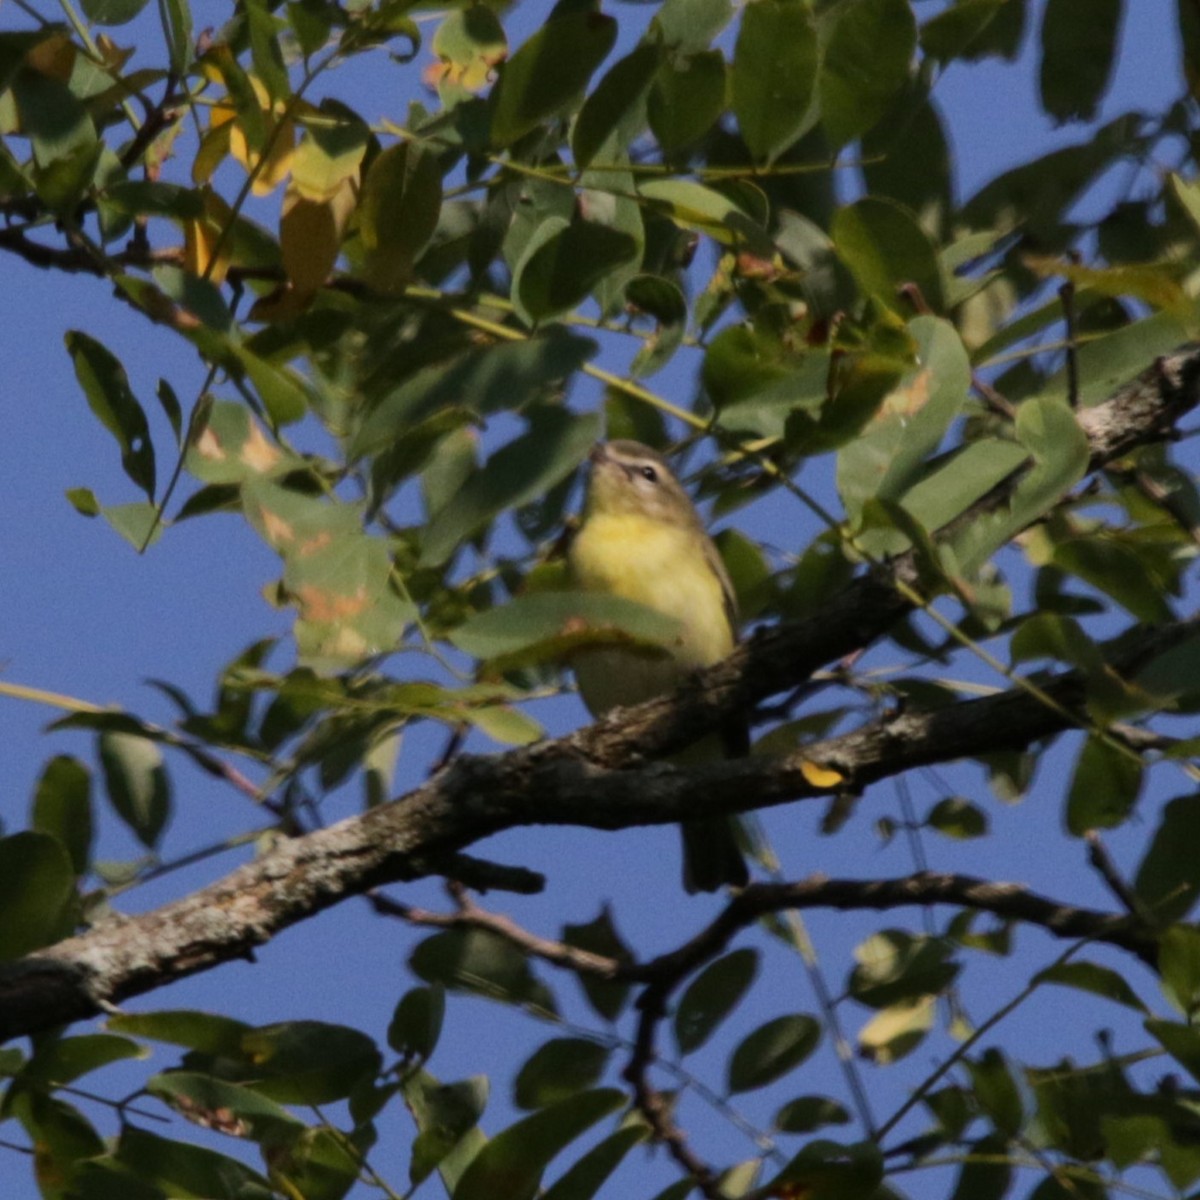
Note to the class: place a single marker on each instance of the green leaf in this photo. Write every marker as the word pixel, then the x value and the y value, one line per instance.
pixel 775 75
pixel 482 380
pixel 37 892
pixel 556 443
pixel 329 155
pixel 308 1062
pixel 614 106
pixel 112 12
pixel 1174 676
pixel 506 725
pixel 1181 1042
pixel 230 446
pixel 560 269
pixel 182 1169
pixel 1104 787
pixel 511 1164
pixel 662 299
pixel 806 1113
pixel 339 576
pixel 583 1179
pixel 548 72
pixel 1179 967
pixel 557 1069
pixel 137 784
pixel 1168 879
pixel 224 1105
pixel 1048 430
pixel 957 818
pixel 416 1023
pixel 106 386
pixel 64 1060
pixel 481 962
pixel 1114 359
pixel 62 808
pixel 607 997
pixel 956 30
pixel 996 1091
pixel 894 965
pixel 64 1138
pixel 712 996
pixel 694 206
pixel 546 626
pixel 208 1033
pixel 398 213
pixel 139 524
pixel 282 391
pixel 1091 977
pixel 176 16
pixel 689 25
pixel 687 98
pixel 897 1030
pixel 1079 44
pixel 264 28
pixel 889 460
pixel 83 501
pixel 1117 570
pixel 771 1051
pixel 885 248
pixel 826 1170
pixel 66 149
pixel 868 53
pixel 447 1116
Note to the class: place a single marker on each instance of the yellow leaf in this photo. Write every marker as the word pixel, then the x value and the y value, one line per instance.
pixel 821 777
pixel 202 236
pixel 212 152
pixel 1150 282
pixel 310 235
pixel 275 164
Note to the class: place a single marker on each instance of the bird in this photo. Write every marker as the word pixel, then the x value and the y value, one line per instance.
pixel 641 538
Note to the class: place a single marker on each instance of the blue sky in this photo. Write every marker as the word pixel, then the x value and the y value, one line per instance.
pixel 87 617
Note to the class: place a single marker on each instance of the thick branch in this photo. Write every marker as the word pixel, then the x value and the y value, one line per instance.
pixel 550 784
pixel 575 780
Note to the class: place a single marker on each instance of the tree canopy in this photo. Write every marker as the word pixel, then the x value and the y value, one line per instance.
pixel 424 259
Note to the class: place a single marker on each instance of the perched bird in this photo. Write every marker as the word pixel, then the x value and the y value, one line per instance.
pixel 642 538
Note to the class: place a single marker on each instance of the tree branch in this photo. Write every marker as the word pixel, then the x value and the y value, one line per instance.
pixel 584 778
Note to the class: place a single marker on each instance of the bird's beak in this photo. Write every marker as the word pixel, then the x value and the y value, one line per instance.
pixel 598 453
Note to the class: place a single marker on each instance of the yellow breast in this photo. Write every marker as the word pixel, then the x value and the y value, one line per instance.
pixel 663 567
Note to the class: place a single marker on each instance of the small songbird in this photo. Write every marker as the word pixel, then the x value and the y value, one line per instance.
pixel 642 538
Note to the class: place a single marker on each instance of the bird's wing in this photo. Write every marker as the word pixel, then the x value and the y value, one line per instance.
pixel 712 556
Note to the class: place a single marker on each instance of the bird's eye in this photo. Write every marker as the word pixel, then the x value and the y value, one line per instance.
pixel 650 473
